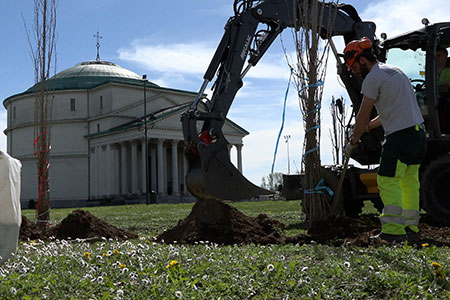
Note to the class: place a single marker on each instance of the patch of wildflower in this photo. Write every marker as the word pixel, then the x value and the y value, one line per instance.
pixel 58 270
pixel 425 245
pixel 437 270
pixel 172 264
pixel 87 254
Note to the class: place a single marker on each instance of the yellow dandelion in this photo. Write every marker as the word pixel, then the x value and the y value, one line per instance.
pixel 116 251
pixel 87 254
pixel 425 245
pixel 171 264
pixel 32 242
pixel 436 265
pixel 105 254
pixel 122 266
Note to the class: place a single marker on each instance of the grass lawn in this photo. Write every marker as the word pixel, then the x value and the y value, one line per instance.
pixel 142 269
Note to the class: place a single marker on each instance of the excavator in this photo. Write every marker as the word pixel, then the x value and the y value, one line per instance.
pixel 211 175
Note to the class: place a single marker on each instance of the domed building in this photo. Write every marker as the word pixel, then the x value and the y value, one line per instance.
pixel 97 137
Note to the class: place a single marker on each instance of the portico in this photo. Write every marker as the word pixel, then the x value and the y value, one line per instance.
pixel 118 169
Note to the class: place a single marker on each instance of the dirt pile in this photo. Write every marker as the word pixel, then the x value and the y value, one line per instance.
pixel 217 222
pixel 29 231
pixel 79 224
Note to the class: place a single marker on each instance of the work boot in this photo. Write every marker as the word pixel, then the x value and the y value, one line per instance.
pixel 412 236
pixel 388 239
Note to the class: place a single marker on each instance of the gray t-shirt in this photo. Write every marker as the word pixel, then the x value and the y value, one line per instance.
pixel 395 99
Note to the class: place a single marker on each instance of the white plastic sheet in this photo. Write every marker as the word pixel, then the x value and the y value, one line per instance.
pixel 10 214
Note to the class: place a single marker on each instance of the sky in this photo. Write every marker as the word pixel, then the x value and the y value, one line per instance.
pixel 172 41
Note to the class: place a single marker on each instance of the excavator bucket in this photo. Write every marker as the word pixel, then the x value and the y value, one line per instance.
pixel 211 175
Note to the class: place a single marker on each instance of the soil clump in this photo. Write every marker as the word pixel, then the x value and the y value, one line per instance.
pixel 217 222
pixel 79 224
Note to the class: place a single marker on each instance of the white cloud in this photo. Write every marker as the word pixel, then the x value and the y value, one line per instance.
pixel 184 58
pixel 396 17
pixel 193 59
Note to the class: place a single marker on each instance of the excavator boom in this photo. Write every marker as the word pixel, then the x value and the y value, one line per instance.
pixel 211 173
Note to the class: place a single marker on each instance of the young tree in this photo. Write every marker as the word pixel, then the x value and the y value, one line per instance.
pixel 338 114
pixel 42 43
pixel 312 56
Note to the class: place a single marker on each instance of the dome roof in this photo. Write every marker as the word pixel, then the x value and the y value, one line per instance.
pixel 90 74
pixel 97 69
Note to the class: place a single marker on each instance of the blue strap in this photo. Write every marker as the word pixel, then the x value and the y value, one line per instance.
pixel 312 128
pixel 314 110
pixel 317 84
pixel 282 120
pixel 318 189
pixel 311 151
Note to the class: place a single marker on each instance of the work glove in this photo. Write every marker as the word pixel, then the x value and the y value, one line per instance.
pixel 348 149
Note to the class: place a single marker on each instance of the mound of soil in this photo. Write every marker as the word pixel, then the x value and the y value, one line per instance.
pixel 29 231
pixel 79 224
pixel 217 222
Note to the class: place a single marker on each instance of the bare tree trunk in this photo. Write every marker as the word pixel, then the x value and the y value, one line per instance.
pixel 312 57
pixel 43 53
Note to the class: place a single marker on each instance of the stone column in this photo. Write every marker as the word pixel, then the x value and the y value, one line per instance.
pixel 115 175
pixel 144 168
pixel 153 168
pixel 134 168
pixel 99 173
pixel 93 172
pixel 161 164
pixel 239 157
pixel 109 170
pixel 124 175
pixel 175 184
pixel 229 146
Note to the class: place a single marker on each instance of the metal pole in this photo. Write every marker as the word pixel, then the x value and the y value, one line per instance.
pixel 287 137
pixel 147 200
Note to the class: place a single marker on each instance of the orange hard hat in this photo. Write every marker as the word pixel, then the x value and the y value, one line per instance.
pixel 354 49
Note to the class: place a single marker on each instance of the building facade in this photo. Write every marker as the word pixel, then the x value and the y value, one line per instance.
pixel 98 149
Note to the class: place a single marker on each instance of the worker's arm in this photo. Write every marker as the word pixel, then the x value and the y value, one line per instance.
pixel 363 119
pixel 374 123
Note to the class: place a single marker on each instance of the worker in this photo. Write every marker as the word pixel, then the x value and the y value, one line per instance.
pixel 388 89
pixel 443 69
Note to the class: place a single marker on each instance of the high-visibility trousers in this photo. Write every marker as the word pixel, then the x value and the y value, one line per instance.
pixel 398 179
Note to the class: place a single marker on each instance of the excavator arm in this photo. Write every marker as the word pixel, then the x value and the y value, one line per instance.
pixel 211 174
